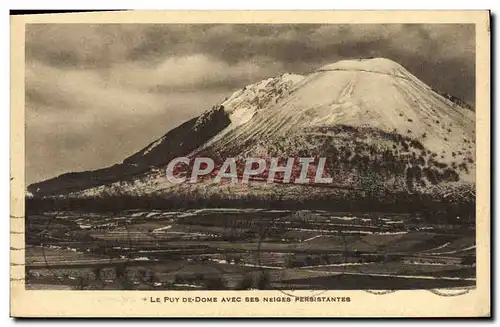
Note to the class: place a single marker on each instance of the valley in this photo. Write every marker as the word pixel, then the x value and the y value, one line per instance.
pixel 247 249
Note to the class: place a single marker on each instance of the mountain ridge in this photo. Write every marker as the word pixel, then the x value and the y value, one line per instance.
pixel 352 110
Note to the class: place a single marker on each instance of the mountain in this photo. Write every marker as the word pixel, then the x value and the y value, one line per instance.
pixel 383 130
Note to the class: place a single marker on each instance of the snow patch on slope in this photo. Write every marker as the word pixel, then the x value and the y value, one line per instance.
pixel 375 65
pixel 153 145
pixel 244 104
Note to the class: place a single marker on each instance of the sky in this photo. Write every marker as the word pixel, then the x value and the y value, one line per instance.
pixel 96 94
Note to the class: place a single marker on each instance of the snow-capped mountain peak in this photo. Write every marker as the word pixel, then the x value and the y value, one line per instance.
pixel 372 117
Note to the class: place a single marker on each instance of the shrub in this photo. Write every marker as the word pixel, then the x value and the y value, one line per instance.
pixel 468 260
pixel 215 283
pixel 246 283
pixel 263 281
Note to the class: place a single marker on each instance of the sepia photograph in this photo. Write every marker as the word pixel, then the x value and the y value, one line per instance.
pixel 311 156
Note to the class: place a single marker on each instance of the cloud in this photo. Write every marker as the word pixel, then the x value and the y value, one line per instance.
pixel 192 72
pixel 430 51
pixel 86 119
pixel 81 45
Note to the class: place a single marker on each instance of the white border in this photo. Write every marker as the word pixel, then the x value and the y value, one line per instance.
pixel 187 4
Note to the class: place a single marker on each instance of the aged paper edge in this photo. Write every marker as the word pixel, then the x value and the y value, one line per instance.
pixel 413 303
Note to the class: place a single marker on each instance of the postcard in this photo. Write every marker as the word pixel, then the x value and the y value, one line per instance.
pixel 250 164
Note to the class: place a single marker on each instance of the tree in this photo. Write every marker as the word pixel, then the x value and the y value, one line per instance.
pixel 263 281
pixel 468 260
pixel 290 261
pixel 246 283
pixel 215 283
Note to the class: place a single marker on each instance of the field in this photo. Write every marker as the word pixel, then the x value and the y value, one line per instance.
pixel 246 249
